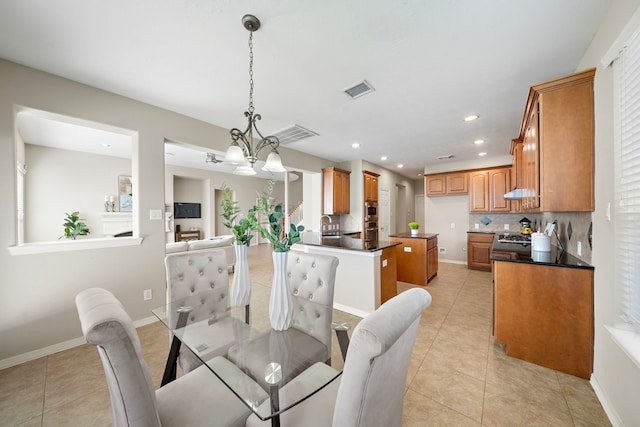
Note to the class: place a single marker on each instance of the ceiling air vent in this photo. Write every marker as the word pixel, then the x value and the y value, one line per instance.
pixel 359 90
pixel 446 156
pixel 293 134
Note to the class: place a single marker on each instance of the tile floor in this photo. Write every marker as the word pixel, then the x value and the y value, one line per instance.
pixel 457 376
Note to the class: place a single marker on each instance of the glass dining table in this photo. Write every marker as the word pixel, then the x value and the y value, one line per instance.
pixel 243 335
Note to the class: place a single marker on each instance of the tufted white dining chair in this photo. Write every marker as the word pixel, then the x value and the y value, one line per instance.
pixel 312 280
pixel 371 388
pixel 201 278
pixel 196 398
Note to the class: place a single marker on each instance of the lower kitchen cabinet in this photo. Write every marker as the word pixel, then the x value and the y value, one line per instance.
pixel 416 257
pixel 544 315
pixel 479 251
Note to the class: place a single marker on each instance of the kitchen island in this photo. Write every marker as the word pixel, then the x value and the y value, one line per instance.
pixel 366 275
pixel 417 257
pixel 543 307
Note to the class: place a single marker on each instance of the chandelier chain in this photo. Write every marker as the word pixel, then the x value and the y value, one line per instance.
pixel 251 107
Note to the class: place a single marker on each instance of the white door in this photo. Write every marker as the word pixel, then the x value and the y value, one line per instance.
pixel 384 215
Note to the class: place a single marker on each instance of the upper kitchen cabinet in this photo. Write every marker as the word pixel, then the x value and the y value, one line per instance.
pixel 336 193
pixel 370 186
pixel 487 189
pixel 557 134
pixel 446 184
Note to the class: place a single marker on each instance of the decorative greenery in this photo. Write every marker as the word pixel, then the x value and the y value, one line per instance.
pixel 73 226
pixel 230 211
pixel 272 229
pixel 414 225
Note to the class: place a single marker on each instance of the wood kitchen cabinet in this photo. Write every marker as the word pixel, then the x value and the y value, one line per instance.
pixel 416 257
pixel 557 133
pixel 336 191
pixel 487 189
pixel 370 186
pixel 446 184
pixel 479 251
pixel 544 315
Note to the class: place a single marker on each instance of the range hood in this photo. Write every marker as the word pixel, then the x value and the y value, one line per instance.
pixel 517 194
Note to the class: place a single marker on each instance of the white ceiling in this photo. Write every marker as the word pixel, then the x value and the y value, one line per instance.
pixel 431 62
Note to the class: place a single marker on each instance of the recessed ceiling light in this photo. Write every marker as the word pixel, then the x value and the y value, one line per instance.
pixel 471 118
pixel 419 174
pixel 400 165
pixel 106 145
pixel 478 141
pixel 482 154
pixel 383 158
pixel 355 145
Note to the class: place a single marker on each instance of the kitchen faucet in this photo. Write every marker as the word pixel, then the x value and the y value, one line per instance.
pixel 327 217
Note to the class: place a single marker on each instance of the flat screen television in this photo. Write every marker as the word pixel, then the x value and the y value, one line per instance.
pixel 186 210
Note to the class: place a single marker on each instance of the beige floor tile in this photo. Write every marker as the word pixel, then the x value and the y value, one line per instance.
pixel 92 409
pixel 72 374
pixel 419 411
pixel 582 401
pixel 505 408
pixel 22 392
pixel 451 388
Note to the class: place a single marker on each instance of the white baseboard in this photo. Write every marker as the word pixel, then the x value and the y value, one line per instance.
pixel 452 261
pixel 614 418
pixel 56 348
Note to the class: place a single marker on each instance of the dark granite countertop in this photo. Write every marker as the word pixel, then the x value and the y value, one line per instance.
pixel 418 236
pixel 516 252
pixel 343 241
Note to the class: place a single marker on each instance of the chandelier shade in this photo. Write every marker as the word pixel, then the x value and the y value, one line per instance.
pixel 242 152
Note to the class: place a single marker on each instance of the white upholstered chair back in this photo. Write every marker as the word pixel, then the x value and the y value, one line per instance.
pixel 375 372
pixel 106 325
pixel 312 277
pixel 202 278
pixel 191 273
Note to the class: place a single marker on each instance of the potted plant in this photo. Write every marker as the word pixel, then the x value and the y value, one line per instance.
pixel 280 304
pixel 74 226
pixel 242 230
pixel 414 226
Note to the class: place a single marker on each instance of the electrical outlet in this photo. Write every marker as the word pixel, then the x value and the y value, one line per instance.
pixel 453 225
pixel 506 226
pixel 443 250
pixel 579 248
pixel 147 294
pixel 476 226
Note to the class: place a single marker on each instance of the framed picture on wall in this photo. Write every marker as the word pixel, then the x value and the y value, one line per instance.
pixel 125 193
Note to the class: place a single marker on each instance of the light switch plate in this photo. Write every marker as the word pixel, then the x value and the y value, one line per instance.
pixel 407 249
pixel 155 214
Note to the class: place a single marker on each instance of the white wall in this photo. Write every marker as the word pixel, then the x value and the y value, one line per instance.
pixel 616 378
pixel 37 291
pixel 59 181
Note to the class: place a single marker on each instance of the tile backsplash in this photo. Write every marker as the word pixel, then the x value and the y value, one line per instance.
pixel 572 227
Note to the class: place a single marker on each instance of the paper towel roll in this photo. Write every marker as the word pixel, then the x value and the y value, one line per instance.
pixel 540 242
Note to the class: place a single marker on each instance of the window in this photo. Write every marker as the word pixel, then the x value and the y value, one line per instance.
pixel 627 182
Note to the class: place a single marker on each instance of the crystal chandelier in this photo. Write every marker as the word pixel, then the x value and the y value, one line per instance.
pixel 242 152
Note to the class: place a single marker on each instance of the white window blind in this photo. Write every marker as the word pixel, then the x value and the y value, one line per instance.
pixel 627 184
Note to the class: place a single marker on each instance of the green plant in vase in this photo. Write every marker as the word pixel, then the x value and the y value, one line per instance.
pixel 242 229
pixel 74 226
pixel 273 228
pixel 414 225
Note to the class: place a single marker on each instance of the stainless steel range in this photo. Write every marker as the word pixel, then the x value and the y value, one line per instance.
pixel 514 238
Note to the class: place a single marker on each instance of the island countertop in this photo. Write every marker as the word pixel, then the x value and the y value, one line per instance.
pixel 342 241
pixel 418 236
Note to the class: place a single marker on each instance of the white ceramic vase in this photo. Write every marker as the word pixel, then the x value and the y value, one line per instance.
pixel 280 303
pixel 241 285
pixel 414 232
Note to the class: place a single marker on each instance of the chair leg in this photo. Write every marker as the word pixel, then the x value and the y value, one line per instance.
pixel 343 337
pixel 170 369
